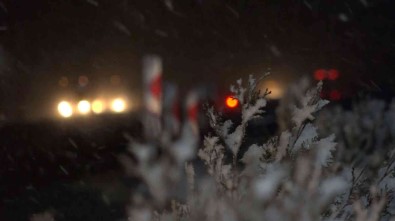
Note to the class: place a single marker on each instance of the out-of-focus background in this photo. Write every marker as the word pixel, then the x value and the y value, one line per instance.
pixel 71 73
pixel 46 44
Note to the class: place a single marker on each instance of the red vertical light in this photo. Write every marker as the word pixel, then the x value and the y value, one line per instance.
pixel 333 74
pixel 335 95
pixel 320 74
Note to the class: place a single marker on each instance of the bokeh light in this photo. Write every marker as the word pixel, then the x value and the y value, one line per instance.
pixel 335 95
pixel 97 106
pixel 118 105
pixel 65 109
pixel 320 74
pixel 83 80
pixel 333 74
pixel 231 102
pixel 84 107
pixel 276 89
pixel 63 81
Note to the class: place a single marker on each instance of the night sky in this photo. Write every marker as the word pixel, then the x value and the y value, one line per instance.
pixel 214 41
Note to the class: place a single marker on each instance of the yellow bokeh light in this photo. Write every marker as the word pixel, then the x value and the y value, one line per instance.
pixel 97 106
pixel 84 107
pixel 118 105
pixel 65 110
pixel 275 87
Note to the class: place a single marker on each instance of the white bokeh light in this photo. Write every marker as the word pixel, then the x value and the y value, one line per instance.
pixel 84 107
pixel 65 110
pixel 118 105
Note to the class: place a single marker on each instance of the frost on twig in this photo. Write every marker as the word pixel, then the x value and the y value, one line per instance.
pixel 160 167
pixel 252 102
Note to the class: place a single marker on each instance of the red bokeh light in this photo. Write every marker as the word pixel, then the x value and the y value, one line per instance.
pixel 335 95
pixel 231 102
pixel 320 74
pixel 333 74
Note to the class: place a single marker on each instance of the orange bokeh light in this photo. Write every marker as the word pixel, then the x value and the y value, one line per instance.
pixel 231 102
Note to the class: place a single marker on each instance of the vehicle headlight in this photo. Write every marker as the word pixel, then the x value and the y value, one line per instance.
pixel 65 109
pixel 118 105
pixel 84 107
pixel 97 106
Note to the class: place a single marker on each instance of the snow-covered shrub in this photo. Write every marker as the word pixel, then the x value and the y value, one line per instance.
pixel 292 176
pixel 365 139
pixel 365 134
